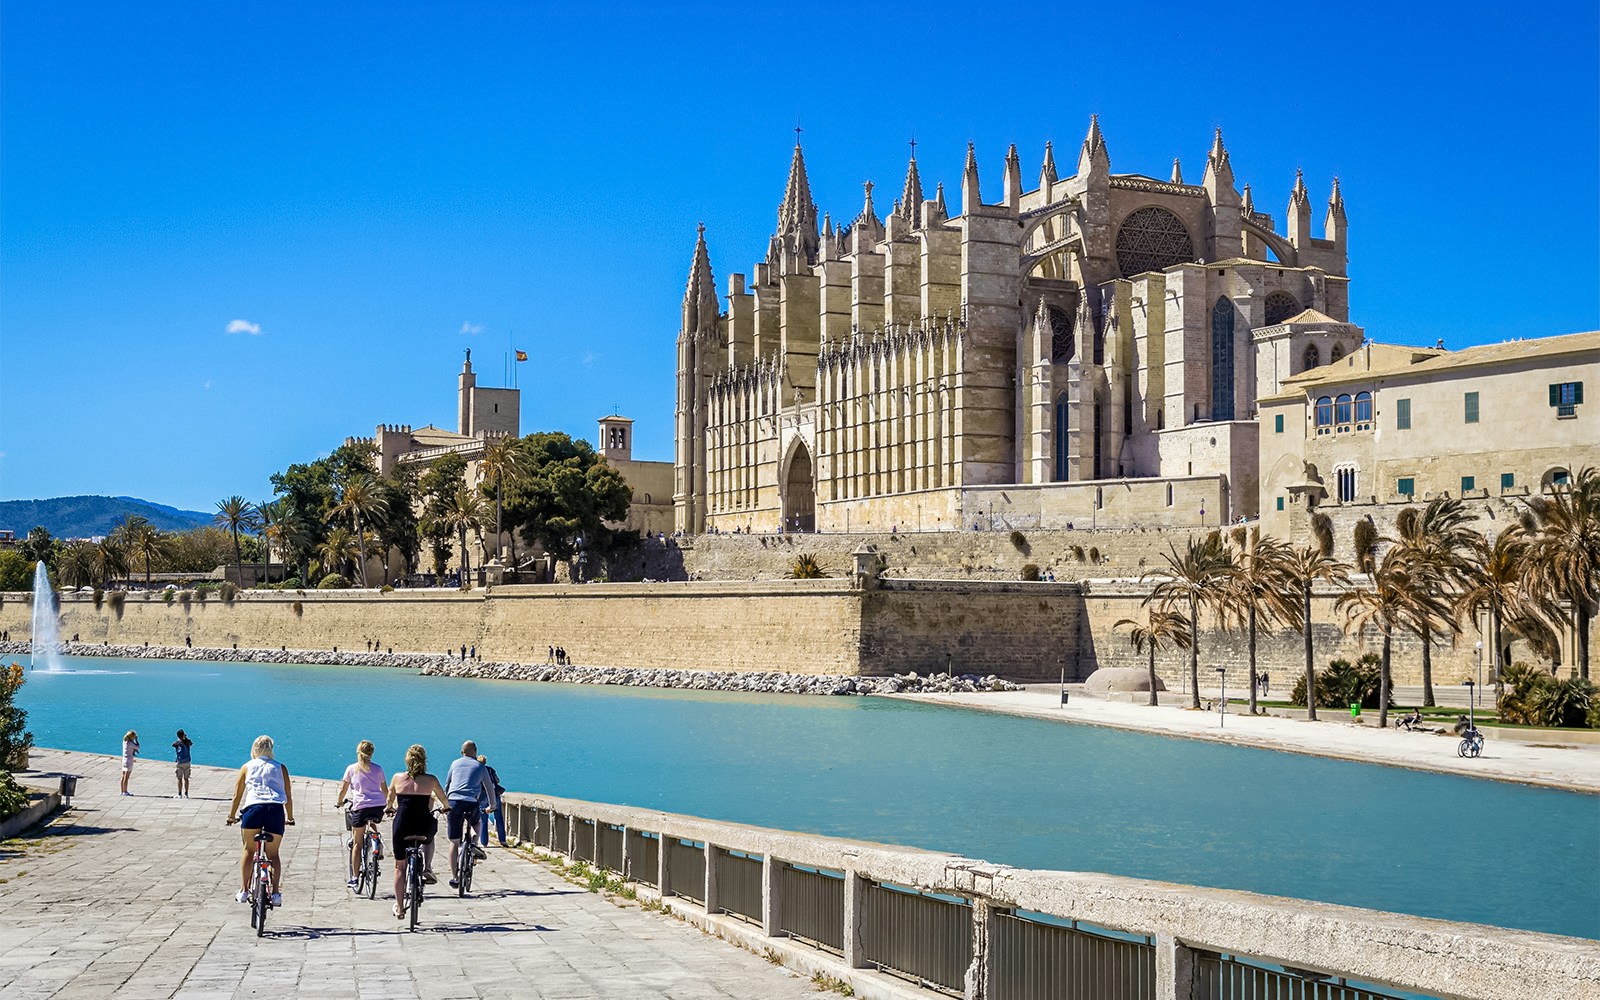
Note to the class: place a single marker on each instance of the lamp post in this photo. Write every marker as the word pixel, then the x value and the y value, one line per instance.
pixel 1479 645
pixel 1472 721
pixel 1063 665
pixel 1222 701
pixel 1202 513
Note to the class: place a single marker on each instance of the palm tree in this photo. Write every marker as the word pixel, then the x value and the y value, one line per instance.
pixel 76 567
pixel 1260 593
pixel 338 550
pixel 502 457
pixel 1162 628
pixel 269 517
pixel 234 514
pixel 1563 559
pixel 1196 579
pixel 1401 593
pixel 108 559
pixel 1437 544
pixel 142 540
pixel 360 498
pixel 1306 567
pixel 464 511
pixel 1493 586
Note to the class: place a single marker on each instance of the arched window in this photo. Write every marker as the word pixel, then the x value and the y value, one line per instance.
pixel 1346 479
pixel 1363 411
pixel 1335 354
pixel 1152 239
pixel 1063 410
pixel 1311 358
pixel 1061 340
pixel 1341 411
pixel 1222 360
pixel 1324 414
pixel 1279 307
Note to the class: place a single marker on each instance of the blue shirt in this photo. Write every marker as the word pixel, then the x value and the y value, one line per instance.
pixel 180 752
pixel 468 781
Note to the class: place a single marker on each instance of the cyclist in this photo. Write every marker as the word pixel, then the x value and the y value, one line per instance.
pixel 470 791
pixel 368 793
pixel 263 791
pixel 409 800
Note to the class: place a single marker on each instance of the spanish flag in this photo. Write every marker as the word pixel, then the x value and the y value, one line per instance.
pixel 522 355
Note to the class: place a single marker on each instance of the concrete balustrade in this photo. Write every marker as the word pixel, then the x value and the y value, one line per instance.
pixel 1149 940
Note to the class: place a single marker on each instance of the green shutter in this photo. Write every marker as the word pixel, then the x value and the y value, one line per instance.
pixel 1577 392
pixel 1555 394
pixel 1277 424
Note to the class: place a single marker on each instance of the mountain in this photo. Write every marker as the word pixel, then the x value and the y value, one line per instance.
pixel 88 517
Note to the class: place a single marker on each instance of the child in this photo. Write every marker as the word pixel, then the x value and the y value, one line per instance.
pixel 180 753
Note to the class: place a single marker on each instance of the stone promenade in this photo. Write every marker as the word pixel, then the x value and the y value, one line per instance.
pixel 132 897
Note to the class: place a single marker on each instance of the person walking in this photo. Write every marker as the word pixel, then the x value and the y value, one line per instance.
pixel 181 760
pixel 367 791
pixel 130 750
pixel 469 790
pixel 410 796
pixel 499 812
pixel 263 793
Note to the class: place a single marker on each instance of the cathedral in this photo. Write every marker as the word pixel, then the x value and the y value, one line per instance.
pixel 1088 351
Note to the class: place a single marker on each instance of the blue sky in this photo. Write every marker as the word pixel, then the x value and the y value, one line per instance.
pixel 378 187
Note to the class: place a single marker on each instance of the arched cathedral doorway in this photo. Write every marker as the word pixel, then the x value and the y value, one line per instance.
pixel 799 492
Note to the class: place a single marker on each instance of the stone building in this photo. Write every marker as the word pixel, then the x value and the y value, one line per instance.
pixel 1087 350
pixel 481 413
pixel 650 512
pixel 1386 426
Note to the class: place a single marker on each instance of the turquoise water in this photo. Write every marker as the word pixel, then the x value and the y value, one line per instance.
pixel 1020 791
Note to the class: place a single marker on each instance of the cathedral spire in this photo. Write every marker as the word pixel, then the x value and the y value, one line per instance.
pixel 797 215
pixel 911 196
pixel 1299 212
pixel 940 212
pixel 1333 224
pixel 1177 171
pixel 868 214
pixel 1219 169
pixel 1093 158
pixel 1047 173
pixel 1248 206
pixel 1013 181
pixel 700 295
pixel 971 197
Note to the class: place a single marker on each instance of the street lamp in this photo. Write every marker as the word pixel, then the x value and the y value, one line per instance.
pixel 1222 702
pixel 1472 722
pixel 1202 513
pixel 1479 645
pixel 1063 665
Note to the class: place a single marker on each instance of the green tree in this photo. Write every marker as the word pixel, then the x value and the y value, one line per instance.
pixel 39 547
pixel 78 564
pixel 236 514
pixel 143 541
pixel 1306 567
pixel 360 499
pixel 502 459
pixel 564 492
pixel 109 560
pixel 400 529
pixel 1563 558
pixel 1260 593
pixel 466 512
pixel 1493 587
pixel 1400 593
pixel 438 487
pixel 1197 579
pixel 338 550
pixel 15 740
pixel 1160 628
pixel 16 571
pixel 1437 544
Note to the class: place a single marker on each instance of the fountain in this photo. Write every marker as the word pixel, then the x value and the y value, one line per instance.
pixel 46 628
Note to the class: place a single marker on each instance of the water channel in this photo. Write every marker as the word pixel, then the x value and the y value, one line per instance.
pixel 1024 792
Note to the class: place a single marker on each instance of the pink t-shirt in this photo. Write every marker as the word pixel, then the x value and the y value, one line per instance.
pixel 366 787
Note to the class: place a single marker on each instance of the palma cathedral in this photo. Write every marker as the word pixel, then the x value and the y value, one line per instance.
pixel 1086 351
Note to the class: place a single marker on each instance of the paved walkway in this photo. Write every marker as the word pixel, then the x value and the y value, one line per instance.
pixel 133 898
pixel 1575 768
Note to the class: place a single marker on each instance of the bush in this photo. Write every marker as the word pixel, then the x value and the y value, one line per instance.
pixel 99 598
pixel 806 567
pixel 1344 683
pixel 117 597
pixel 14 740
pixel 1077 552
pixel 333 581
pixel 168 595
pixel 228 591
pixel 298 609
pixel 386 589
pixel 1030 571
pixel 1019 540
pixel 1535 698
pixel 1094 555
pixel 293 583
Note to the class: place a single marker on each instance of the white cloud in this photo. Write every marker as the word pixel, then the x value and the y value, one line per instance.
pixel 208 383
pixel 470 327
pixel 589 358
pixel 245 326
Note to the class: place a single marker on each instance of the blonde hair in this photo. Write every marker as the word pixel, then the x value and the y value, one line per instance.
pixel 416 760
pixel 364 751
pixel 262 747
pixel 130 737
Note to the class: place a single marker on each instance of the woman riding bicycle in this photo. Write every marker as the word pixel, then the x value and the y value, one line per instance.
pixel 368 793
pixel 409 796
pixel 263 792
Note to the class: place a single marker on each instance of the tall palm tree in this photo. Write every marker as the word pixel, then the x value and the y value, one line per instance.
pixel 109 560
pixel 1260 593
pixel 464 511
pixel 1401 593
pixel 503 457
pixel 1493 587
pixel 1563 559
pixel 142 540
pixel 1306 567
pixel 1196 579
pixel 361 499
pixel 269 531
pixel 76 567
pixel 236 514
pixel 1437 544
pixel 1161 628
pixel 338 550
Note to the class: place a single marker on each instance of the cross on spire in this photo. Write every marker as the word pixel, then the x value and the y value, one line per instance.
pixel 797 131
pixel 913 147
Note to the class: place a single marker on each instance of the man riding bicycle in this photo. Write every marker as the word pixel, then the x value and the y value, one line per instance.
pixel 470 790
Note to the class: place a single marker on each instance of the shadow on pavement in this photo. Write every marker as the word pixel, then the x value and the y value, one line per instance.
pixel 504 893
pixel 315 933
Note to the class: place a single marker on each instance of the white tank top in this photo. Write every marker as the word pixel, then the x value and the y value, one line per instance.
pixel 263 782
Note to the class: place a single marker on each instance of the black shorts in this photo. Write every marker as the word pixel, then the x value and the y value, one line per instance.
pixel 362 817
pixel 266 816
pixel 462 814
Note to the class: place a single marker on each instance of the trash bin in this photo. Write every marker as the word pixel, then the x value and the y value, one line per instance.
pixel 69 787
pixel 1355 710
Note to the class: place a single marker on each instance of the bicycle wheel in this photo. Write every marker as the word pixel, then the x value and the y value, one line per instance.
pixel 463 867
pixel 263 888
pixel 373 871
pixel 414 889
pixel 1461 748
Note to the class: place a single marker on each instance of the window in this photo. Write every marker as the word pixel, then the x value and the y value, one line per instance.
pixel 1565 397
pixel 1324 414
pixel 1472 407
pixel 1062 442
pixel 1468 484
pixel 1152 239
pixel 1406 487
pixel 1508 481
pixel 1402 414
pixel 1311 358
pixel 1280 503
pixel 1363 411
pixel 1341 412
pixel 1277 424
pixel 1279 307
pixel 1347 484
pixel 1169 494
pixel 1335 354
pixel 1222 360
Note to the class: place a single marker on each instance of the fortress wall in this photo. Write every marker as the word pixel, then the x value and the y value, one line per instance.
pixel 1023 631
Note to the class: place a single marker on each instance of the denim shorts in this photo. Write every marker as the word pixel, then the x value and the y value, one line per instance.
pixel 266 816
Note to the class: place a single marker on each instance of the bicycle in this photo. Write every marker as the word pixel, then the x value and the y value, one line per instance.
pixel 371 852
pixel 416 865
pixel 261 885
pixel 466 857
pixel 1471 744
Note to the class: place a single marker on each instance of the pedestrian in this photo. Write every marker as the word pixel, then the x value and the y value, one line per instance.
pixel 181 757
pixel 188 642
pixel 463 654
pixel 473 653
pixel 550 655
pixel 499 812
pixel 130 750
pixel 1265 679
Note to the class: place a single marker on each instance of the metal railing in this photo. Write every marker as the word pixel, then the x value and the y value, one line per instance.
pixel 611 839
pixel 1035 960
pixel 644 857
pixel 923 938
pixel 738 884
pixel 583 839
pixel 813 906
pixel 686 869
pixel 560 832
pixel 1223 977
